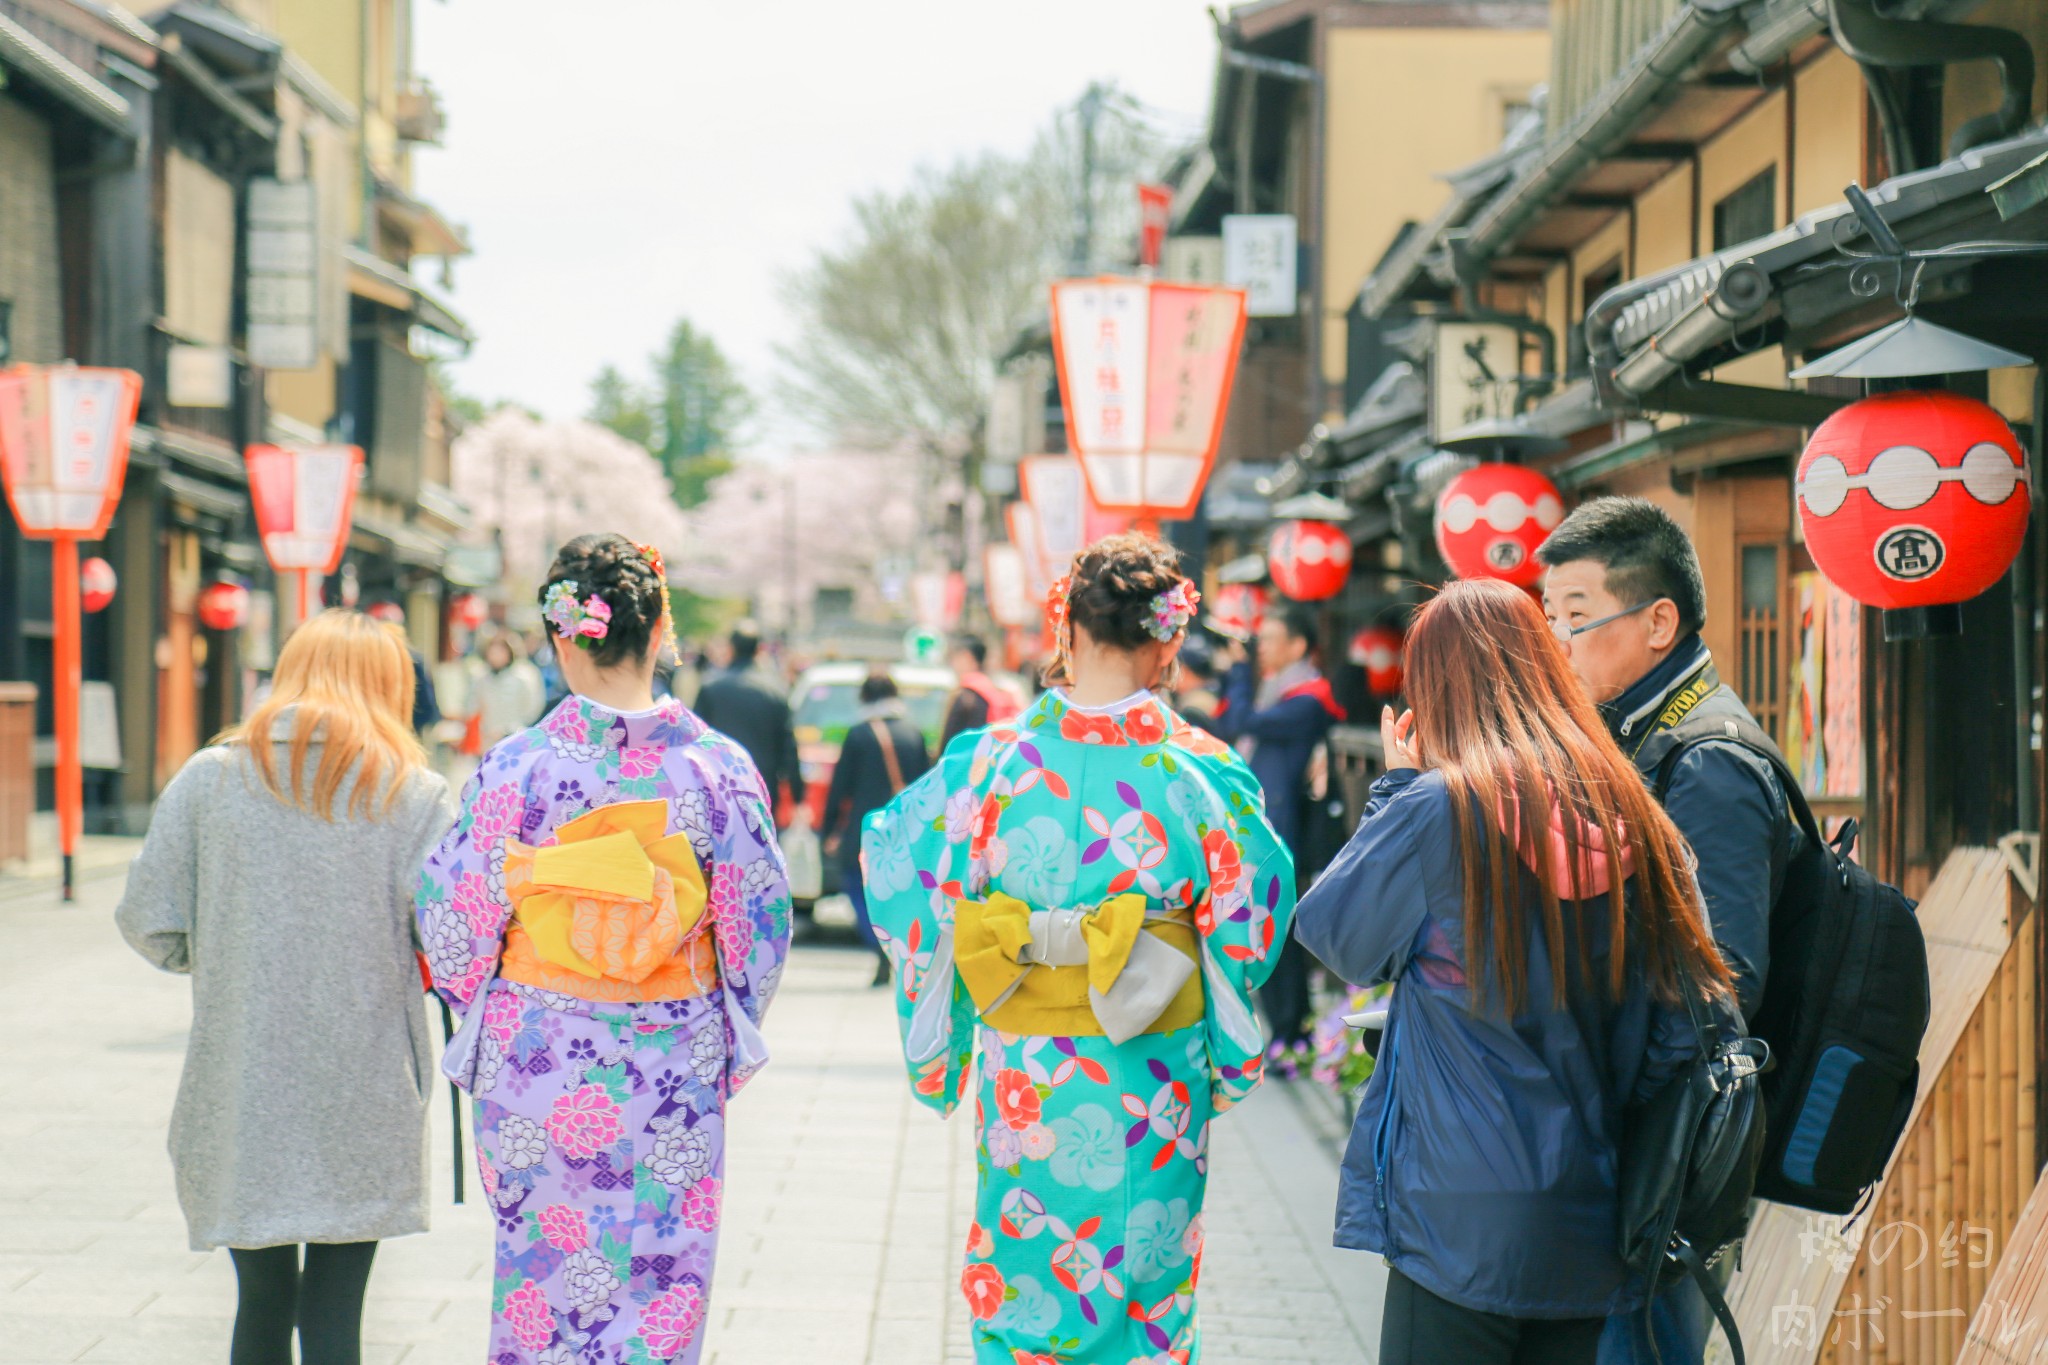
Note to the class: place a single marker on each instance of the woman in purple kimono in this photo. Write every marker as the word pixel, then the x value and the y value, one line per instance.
pixel 610 914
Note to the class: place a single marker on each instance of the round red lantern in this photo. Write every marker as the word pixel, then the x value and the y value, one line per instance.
pixel 96 583
pixel 1377 650
pixel 1489 521
pixel 223 606
pixel 1309 560
pixel 469 611
pixel 1915 503
pixel 1237 609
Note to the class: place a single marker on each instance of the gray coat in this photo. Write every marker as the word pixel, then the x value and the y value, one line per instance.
pixel 301 1116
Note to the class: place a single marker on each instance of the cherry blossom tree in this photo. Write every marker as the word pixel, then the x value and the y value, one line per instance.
pixel 532 484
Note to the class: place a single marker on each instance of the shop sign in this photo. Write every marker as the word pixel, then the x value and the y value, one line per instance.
pixel 1259 256
pixel 1473 368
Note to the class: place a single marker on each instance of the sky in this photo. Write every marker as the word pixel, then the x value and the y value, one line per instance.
pixel 622 163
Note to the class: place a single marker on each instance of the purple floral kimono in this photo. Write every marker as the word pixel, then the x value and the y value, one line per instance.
pixel 600 1127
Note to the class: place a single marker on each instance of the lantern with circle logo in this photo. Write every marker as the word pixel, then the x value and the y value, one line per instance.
pixel 1377 650
pixel 1914 503
pixel 223 606
pixel 97 583
pixel 1309 560
pixel 1489 521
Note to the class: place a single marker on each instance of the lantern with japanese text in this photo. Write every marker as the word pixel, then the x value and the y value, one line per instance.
pixel 1145 371
pixel 1237 609
pixel 1309 560
pixel 63 458
pixel 97 582
pixel 469 611
pixel 1377 650
pixel 223 606
pixel 304 498
pixel 1489 521
pixel 1914 503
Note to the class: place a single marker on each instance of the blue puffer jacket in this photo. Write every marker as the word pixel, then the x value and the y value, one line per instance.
pixel 1482 1162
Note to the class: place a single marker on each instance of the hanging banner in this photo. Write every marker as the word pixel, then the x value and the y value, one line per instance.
pixel 1155 207
pixel 1145 374
pixel 1008 589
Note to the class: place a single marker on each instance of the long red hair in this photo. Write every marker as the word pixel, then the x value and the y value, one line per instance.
pixel 1504 719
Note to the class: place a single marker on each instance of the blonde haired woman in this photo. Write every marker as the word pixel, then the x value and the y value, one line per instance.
pixel 279 874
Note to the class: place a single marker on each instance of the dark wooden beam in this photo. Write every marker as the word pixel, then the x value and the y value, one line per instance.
pixel 1596 201
pixel 1652 151
pixel 1742 402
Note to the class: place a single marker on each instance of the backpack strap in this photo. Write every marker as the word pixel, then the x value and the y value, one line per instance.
pixel 1688 1255
pixel 1728 730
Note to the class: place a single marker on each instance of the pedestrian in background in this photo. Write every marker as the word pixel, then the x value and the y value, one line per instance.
pixel 883 753
pixel 1276 708
pixel 610 914
pixel 1534 908
pixel 978 700
pixel 1624 594
pixel 506 692
pixel 278 873
pixel 1194 683
pixel 749 704
pixel 1079 902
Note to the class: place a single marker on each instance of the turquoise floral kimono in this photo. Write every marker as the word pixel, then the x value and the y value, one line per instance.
pixel 1054 881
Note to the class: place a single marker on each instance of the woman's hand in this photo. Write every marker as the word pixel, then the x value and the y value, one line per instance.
pixel 1397 739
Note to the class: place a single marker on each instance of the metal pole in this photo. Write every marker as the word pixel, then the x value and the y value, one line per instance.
pixel 1084 241
pixel 69 677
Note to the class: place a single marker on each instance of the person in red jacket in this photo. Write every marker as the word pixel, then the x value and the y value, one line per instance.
pixel 979 701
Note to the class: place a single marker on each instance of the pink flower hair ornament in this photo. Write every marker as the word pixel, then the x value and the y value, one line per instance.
pixel 1172 610
pixel 583 622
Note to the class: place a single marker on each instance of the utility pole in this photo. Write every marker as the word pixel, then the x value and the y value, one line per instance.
pixel 1084 241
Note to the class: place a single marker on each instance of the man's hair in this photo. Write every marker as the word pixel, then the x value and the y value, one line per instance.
pixel 1300 623
pixel 975 645
pixel 746 642
pixel 1645 553
pixel 876 687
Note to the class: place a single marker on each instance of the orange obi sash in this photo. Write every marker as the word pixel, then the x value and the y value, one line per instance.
pixel 612 911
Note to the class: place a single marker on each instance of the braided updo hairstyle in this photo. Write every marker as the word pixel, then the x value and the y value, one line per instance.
pixel 1115 580
pixel 612 567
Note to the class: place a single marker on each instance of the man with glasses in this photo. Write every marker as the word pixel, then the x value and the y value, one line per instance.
pixel 1624 595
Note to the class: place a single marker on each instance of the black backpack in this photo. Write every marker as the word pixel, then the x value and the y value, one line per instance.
pixel 1844 1008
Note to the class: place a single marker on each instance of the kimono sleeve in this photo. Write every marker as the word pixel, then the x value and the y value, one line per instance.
pixel 907 859
pixel 158 904
pixel 750 902
pixel 1243 921
pixel 460 901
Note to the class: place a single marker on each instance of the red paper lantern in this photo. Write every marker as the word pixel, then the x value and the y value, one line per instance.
pixel 1377 650
pixel 1309 560
pixel 97 582
pixel 469 611
pixel 1490 520
pixel 223 606
pixel 1915 503
pixel 1237 609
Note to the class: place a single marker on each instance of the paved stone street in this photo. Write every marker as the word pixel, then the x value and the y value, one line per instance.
pixel 848 1204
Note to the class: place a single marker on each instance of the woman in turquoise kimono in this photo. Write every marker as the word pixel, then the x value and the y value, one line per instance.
pixel 1086 897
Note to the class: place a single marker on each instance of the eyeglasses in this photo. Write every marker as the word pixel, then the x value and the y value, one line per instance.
pixel 1565 631
pixel 1905 477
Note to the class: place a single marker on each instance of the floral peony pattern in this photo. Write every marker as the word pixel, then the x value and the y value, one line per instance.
pixel 601 1127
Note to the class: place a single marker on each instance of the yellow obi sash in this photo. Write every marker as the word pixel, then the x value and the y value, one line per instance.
pixel 1116 971
pixel 613 910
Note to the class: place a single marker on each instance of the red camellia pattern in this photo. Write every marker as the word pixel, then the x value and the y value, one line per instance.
pixel 1017 1099
pixel 1914 499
